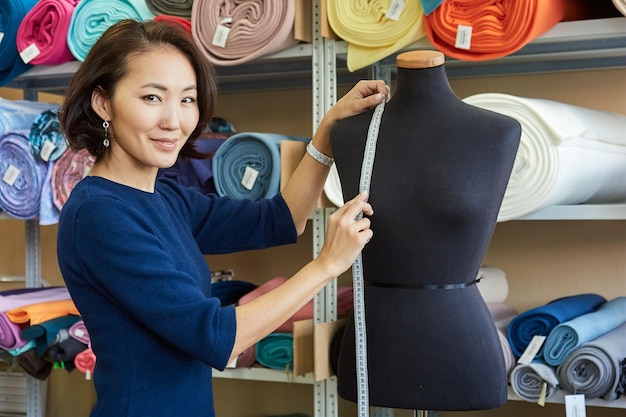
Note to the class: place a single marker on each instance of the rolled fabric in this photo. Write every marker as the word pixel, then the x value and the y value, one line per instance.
pixel 12 12
pixel 502 315
pixel 527 380
pixel 175 20
pixel 567 336
pixel 21 176
pixel 232 32
pixel 85 361
pixel 372 34
pixel 620 5
pixel 275 351
pixel 594 369
pixel 345 301
pixel 34 365
pixel 20 114
pixel 48 212
pixel 34 314
pixel 70 168
pixel 246 153
pixel 10 334
pixel 65 352
pixel 430 5
pixel 181 8
pixel 567 154
pixel 45 28
pixel 79 332
pixel 489 29
pixel 540 321
pixel 27 296
pixel 45 137
pixel 247 358
pixel 493 285
pixel 92 17
pixel 197 173
pixel 45 332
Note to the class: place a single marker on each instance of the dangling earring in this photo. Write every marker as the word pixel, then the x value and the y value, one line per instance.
pixel 106 141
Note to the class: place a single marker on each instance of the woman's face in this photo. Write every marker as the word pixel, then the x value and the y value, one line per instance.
pixel 153 111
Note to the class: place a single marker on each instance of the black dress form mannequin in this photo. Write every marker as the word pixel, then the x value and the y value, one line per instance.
pixel 439 176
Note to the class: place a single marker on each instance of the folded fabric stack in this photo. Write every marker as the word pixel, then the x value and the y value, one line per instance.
pixel 567 155
pixel 247 165
pixel 584 354
pixel 374 30
pixel 231 32
pixel 35 329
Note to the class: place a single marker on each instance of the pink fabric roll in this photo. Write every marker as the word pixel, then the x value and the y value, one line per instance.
pixel 70 168
pixel 45 26
pixel 245 29
pixel 345 301
pixel 10 334
pixel 85 361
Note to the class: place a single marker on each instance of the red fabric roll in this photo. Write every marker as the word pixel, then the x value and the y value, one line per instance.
pixel 85 361
pixel 70 168
pixel 45 27
pixel 176 20
pixel 498 28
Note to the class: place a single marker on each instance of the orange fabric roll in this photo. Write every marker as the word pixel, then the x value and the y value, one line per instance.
pixel 498 28
pixel 40 312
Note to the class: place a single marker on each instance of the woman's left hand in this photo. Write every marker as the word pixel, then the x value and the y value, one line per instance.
pixel 363 96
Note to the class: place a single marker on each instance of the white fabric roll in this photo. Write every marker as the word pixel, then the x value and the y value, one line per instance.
pixel 567 155
pixel 493 285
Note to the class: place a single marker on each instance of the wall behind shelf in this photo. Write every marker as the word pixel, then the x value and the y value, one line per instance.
pixel 542 259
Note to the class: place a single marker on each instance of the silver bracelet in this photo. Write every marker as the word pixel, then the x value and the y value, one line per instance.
pixel 319 156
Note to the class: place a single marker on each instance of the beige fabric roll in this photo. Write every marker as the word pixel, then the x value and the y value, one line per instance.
pixel 620 5
pixel 231 32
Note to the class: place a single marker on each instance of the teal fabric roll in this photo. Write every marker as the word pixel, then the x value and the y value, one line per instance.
pixel 275 351
pixel 92 17
pixel 12 12
pixel 567 336
pixel 246 154
pixel 45 138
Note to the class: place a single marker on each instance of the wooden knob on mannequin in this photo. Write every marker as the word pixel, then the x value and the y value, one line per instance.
pixel 420 59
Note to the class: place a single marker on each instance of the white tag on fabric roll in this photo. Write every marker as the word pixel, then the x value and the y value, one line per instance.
pixel 11 175
pixel 575 406
pixel 220 36
pixel 29 53
pixel 395 10
pixel 531 350
pixel 47 149
pixel 249 177
pixel 463 37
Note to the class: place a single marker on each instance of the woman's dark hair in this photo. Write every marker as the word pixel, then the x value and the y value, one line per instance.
pixel 107 63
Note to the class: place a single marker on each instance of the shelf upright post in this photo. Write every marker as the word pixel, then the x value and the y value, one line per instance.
pixel 35 389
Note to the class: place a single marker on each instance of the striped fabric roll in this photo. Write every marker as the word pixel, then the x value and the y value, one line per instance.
pixel 92 17
pixel 21 176
pixel 12 12
pixel 43 32
pixel 231 32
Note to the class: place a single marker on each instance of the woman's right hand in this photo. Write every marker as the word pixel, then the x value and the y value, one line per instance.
pixel 346 236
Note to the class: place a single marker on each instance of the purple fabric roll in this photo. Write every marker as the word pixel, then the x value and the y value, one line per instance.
pixel 45 26
pixel 79 332
pixel 21 176
pixel 10 334
pixel 40 295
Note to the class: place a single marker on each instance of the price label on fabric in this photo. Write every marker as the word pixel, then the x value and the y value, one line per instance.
pixel 46 150
pixel 11 175
pixel 575 406
pixel 395 10
pixel 532 349
pixel 249 177
pixel 542 397
pixel 29 53
pixel 463 37
pixel 220 36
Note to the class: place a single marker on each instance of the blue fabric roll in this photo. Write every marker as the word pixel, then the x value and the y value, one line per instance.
pixel 92 17
pixel 275 351
pixel 21 176
pixel 43 334
pixel 12 13
pixel 566 337
pixel 540 321
pixel 20 114
pixel 45 138
pixel 242 152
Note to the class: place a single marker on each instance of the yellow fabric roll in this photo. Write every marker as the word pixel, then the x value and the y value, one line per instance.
pixel 369 33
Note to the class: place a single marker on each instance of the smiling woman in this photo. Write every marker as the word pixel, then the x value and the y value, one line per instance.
pixel 131 247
